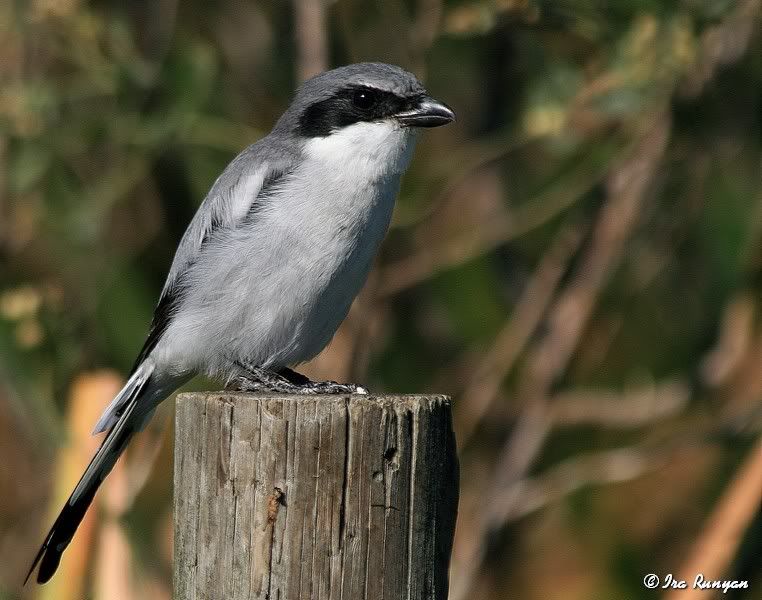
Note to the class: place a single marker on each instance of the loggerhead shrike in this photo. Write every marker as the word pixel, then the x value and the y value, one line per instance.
pixel 272 260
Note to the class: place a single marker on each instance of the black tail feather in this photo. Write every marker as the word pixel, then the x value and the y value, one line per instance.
pixel 62 532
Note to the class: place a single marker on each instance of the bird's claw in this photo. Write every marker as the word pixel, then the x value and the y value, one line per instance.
pixel 331 387
pixel 256 379
pixel 242 384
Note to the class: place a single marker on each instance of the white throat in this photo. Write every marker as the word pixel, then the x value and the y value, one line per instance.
pixel 365 152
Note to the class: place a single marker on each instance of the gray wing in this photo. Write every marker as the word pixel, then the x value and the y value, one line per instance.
pixel 233 199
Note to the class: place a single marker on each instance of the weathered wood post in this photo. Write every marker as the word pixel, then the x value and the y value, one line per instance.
pixel 313 497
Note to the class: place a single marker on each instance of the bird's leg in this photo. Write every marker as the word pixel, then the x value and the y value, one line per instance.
pixel 293 376
pixel 256 379
pixel 306 386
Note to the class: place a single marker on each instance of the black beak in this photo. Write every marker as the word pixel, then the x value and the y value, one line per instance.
pixel 427 112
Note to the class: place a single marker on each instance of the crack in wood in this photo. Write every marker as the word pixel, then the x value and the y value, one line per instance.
pixel 345 476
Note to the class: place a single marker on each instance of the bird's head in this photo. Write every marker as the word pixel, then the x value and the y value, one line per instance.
pixel 362 93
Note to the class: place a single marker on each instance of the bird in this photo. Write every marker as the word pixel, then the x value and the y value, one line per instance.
pixel 270 263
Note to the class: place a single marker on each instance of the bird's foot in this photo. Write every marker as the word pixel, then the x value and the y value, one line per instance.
pixel 331 387
pixel 257 379
pixel 307 386
pixel 287 381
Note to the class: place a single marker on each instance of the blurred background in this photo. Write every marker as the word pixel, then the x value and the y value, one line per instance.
pixel 577 261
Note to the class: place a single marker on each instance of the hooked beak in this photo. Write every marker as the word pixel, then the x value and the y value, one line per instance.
pixel 427 113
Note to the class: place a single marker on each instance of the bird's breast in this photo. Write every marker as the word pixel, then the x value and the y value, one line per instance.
pixel 332 215
pixel 274 292
pixel 342 194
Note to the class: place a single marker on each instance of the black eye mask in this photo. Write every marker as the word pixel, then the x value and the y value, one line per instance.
pixel 353 104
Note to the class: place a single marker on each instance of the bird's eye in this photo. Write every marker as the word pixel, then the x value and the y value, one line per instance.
pixel 364 98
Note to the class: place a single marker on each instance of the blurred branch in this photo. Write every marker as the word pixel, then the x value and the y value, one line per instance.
pixel 626 187
pixel 599 468
pixel 429 260
pixel 717 544
pixel 311 44
pixel 734 341
pixel 613 466
pixel 528 494
pixel 633 408
pixel 509 343
pixel 582 116
pixel 721 45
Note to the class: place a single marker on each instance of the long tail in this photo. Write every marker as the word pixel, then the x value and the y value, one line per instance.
pixel 128 422
pixel 131 389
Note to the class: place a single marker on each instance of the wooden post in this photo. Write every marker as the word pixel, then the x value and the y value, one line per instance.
pixel 313 497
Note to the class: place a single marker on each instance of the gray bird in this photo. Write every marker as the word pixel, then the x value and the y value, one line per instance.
pixel 272 260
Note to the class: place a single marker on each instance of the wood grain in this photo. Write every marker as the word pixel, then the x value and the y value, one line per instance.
pixel 313 497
